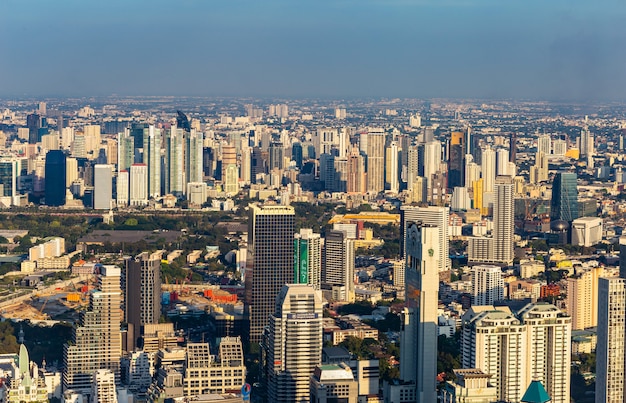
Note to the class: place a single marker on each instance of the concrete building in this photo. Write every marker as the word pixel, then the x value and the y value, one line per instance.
pixel 333 383
pixel 103 387
pixel 418 343
pixel 471 386
pixel 122 187
pixel 582 298
pixel 103 186
pixel 487 285
pixel 586 231
pixel 434 216
pixel 610 350
pixel 338 266
pixel 138 185
pixel 96 341
pixel 293 343
pixel 269 262
pixel 375 151
pixel 308 258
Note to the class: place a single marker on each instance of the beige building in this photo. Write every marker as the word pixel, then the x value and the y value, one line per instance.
pixel 333 383
pixel 582 298
pixel 471 386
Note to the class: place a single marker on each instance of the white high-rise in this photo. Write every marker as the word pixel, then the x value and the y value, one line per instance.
pixel 502 162
pixel 152 160
pixel 103 186
pixel 487 285
pixel 174 157
pixel 432 160
pixel 138 185
pixel 488 169
pixel 503 220
pixel 193 156
pixel 122 188
pixel 375 160
pixel 432 215
pixel 418 343
pixel 391 168
pixel 544 144
pixel 610 350
pixel 293 343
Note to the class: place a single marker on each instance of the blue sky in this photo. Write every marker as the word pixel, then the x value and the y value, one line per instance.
pixel 533 49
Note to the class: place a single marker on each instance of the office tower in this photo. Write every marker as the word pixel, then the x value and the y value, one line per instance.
pixel 431 215
pixel 338 265
pixel 103 387
pixel 296 154
pixel 122 189
pixel 138 185
pixel 548 337
pixel 244 172
pixel 355 182
pixel 307 258
pixel 495 342
pixel 269 262
pixel 229 158
pixel 334 383
pixel 488 169
pixel 103 186
pixel 55 178
pixel 204 374
pixel 432 160
pixel 141 285
pixel 375 160
pixel 174 162
pixel 344 141
pixel 126 150
pixel 276 154
pixel 503 220
pixel 152 160
pixel 456 163
pixel 391 168
pixel 325 139
pixel 564 203
pixel 327 171
pixel 78 147
pixel 610 350
pixel 502 162
pixel 50 141
pixel 293 343
pixel 544 144
pixel 472 172
pixel 33 122
pixel 341 175
pixel 460 199
pixel 418 343
pixel 487 285
pixel 587 146
pixel 539 171
pixel 412 166
pixel 560 147
pixel 582 298
pixel 96 341
pixel 11 169
pixel 111 150
pixel 93 138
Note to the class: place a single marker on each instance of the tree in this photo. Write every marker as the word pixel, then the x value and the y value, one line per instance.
pixel 8 342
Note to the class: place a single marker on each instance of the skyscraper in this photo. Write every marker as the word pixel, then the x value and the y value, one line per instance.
pixel 432 160
pixel 193 156
pixel 391 168
pixel 375 160
pixel 418 348
pixel 293 343
pixel 138 185
pixel 355 182
pixel 564 203
pixel 269 262
pixel 141 285
pixel 103 186
pixel 96 341
pixel 488 169
pixel 33 122
pixel 174 162
pixel 152 160
pixel 307 258
pixel 55 178
pixel 487 285
pixel 456 162
pixel 503 220
pixel 338 266
pixel 610 349
pixel 431 215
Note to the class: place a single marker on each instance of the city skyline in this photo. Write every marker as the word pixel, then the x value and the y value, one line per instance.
pixel 562 50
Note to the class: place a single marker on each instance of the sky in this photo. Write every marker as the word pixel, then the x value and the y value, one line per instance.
pixel 570 50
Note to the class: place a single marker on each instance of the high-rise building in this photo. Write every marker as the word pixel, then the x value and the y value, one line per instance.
pixel 544 144
pixel 193 156
pixel 487 285
pixel 96 341
pixel 103 186
pixel 418 343
pixel 125 150
pixel 391 168
pixel 456 163
pixel 141 285
pixel 103 387
pixel 548 337
pixel 582 298
pixel 293 343
pixel 307 258
pixel 355 182
pixel 622 256
pixel 431 215
pixel 122 188
pixel 564 203
pixel 269 262
pixel 138 185
pixel 33 122
pixel 174 162
pixel 55 178
pixel 338 265
pixel 503 220
pixel 488 169
pixel 11 169
pixel 610 348
pixel 276 154
pixel 375 160
pixel 204 374
pixel 152 160
pixel 432 161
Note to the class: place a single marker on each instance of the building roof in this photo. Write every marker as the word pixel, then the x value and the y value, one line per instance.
pixel 535 393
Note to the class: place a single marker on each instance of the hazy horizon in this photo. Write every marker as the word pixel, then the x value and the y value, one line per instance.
pixel 559 50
